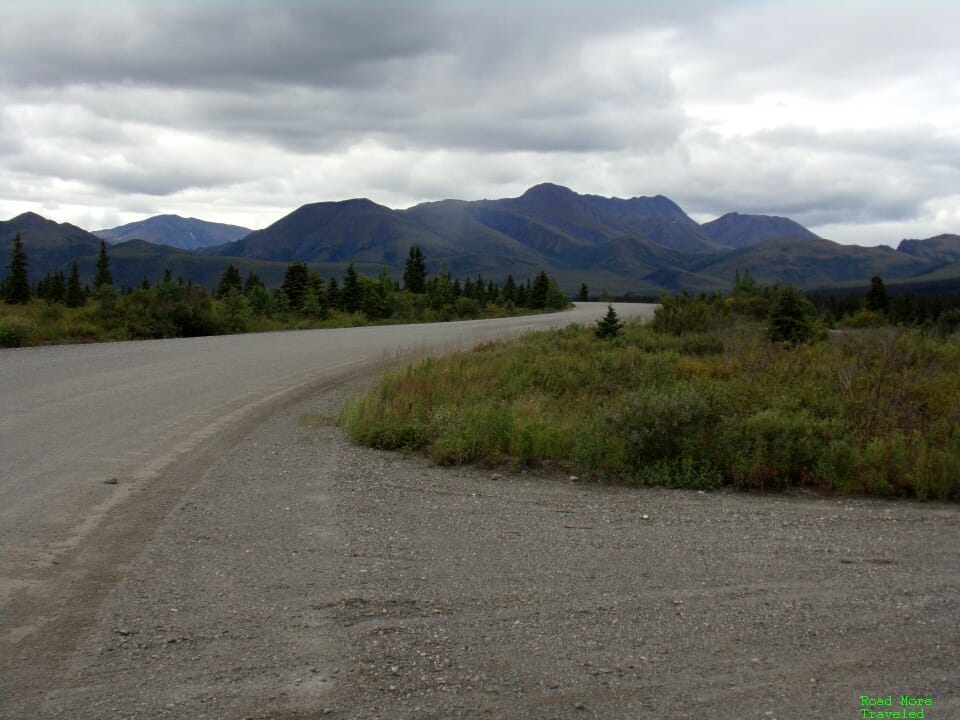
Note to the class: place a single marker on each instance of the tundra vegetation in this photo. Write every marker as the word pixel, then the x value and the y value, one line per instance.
pixel 59 309
pixel 751 390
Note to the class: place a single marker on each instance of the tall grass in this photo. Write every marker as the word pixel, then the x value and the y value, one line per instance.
pixel 875 411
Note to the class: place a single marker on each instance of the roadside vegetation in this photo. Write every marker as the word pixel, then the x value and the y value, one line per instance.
pixel 752 390
pixel 60 309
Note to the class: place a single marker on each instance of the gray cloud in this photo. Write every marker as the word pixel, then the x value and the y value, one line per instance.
pixel 110 104
pixel 211 44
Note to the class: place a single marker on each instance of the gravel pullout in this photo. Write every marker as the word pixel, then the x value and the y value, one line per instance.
pixel 303 577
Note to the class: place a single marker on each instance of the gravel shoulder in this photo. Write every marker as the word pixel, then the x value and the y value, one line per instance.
pixel 289 574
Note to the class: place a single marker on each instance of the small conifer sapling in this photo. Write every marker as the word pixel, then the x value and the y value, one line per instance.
pixel 609 325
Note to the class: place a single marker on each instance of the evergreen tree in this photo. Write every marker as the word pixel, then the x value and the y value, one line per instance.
pixel 492 292
pixel 509 292
pixel 440 291
pixel 52 288
pixel 229 282
pixel 260 301
pixel 520 296
pixel 144 283
pixel 103 275
pixel 373 297
pixel 312 307
pixel 415 272
pixel 877 299
pixel 609 325
pixel 296 282
pixel 469 290
pixel 16 289
pixel 74 296
pixel 745 284
pixel 318 286
pixel 538 294
pixel 481 292
pixel 333 293
pixel 281 303
pixel 556 298
pixel 584 293
pixel 350 296
pixel 253 281
pixel 791 317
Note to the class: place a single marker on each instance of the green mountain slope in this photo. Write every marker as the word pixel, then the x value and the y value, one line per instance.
pixel 806 262
pixel 736 230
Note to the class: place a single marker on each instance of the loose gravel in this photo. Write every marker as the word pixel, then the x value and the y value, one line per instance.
pixel 299 576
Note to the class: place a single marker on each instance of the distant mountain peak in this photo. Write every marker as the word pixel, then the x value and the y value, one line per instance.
pixel 548 189
pixel 739 230
pixel 175 231
pixel 32 217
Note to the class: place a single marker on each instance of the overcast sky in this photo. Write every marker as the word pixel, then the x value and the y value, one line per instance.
pixel 843 115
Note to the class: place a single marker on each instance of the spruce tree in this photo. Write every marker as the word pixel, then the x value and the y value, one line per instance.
pixel 791 317
pixel 253 281
pixel 609 325
pixel 229 282
pixel 520 296
pixel 538 294
pixel 556 298
pixel 584 293
pixel 103 275
pixel 481 291
pixel 333 293
pixel 17 286
pixel 74 296
pixel 415 272
pixel 296 282
pixel 350 296
pixel 509 292
pixel 877 300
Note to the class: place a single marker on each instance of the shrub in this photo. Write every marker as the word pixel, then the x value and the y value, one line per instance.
pixel 15 331
pixel 654 423
pixel 775 448
pixel 863 319
pixel 679 314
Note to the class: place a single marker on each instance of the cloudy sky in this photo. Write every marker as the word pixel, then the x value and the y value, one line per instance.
pixel 841 114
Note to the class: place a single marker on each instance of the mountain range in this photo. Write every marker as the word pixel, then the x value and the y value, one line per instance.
pixel 175 231
pixel 640 245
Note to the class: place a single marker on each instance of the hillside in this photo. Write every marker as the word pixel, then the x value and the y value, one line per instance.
pixel 806 262
pixel 175 231
pixel 939 250
pixel 50 246
pixel 735 230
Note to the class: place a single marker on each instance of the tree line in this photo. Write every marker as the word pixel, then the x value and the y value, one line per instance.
pixel 173 308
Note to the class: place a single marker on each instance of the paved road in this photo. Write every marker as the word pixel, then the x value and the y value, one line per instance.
pixel 75 416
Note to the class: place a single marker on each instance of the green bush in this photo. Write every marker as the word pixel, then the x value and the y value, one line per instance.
pixel 866 412
pixel 15 331
pixel 863 319
pixel 774 448
pixel 656 422
pixel 679 314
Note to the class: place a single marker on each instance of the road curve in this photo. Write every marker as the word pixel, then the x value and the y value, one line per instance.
pixel 79 415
